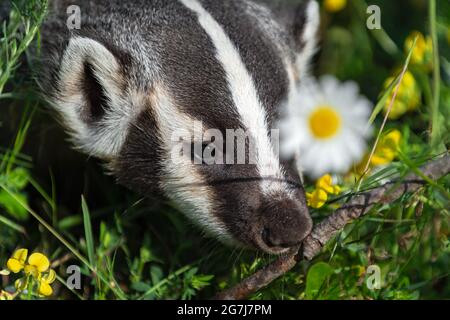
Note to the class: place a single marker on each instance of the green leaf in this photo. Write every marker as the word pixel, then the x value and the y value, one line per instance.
pixel 156 274
pixel 12 206
pixel 18 178
pixel 69 222
pixel 317 275
pixel 140 286
pixel 200 281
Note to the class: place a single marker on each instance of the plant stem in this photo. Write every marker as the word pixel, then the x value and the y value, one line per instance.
pixel 435 132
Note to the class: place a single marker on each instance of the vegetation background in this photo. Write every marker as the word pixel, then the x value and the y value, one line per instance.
pixel 59 202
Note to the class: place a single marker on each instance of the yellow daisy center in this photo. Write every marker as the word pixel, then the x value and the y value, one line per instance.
pixel 324 122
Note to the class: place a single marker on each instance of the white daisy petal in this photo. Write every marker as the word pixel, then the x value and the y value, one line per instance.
pixel 341 141
pixel 329 86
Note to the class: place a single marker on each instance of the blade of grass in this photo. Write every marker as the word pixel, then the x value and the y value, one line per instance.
pixel 21 156
pixel 165 281
pixel 417 171
pixel 88 231
pixel 380 35
pixel 64 283
pixel 435 130
pixel 24 126
pixel 50 201
pixel 382 102
pixel 372 153
pixel 12 224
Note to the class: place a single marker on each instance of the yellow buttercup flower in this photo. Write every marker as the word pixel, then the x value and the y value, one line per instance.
pixel 387 148
pixel 5 295
pixel 398 109
pixel 317 198
pixel 334 5
pixel 326 183
pixel 37 263
pixel 17 262
pixel 408 96
pixel 36 269
pixel 324 187
pixel 44 283
pixel 422 53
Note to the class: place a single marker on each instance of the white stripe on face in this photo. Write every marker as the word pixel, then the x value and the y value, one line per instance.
pixel 181 181
pixel 309 38
pixel 245 96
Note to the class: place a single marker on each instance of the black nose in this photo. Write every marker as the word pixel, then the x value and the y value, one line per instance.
pixel 286 225
pixel 285 237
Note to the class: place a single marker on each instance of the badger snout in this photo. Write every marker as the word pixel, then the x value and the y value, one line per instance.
pixel 284 224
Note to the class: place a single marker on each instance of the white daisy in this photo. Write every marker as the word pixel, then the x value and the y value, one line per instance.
pixel 326 126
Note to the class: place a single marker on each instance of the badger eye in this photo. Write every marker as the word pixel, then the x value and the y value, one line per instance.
pixel 211 150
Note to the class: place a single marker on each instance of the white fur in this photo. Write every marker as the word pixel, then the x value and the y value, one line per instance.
pixel 245 96
pixel 268 24
pixel 106 138
pixel 180 180
pixel 300 69
pixel 309 37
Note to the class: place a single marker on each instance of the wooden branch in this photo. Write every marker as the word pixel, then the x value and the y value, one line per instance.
pixel 323 232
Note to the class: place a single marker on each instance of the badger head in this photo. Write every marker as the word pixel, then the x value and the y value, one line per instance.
pixel 151 90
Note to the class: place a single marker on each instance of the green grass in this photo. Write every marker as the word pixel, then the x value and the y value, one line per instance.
pixel 133 248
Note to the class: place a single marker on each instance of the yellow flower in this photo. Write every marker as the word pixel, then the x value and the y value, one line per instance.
pixel 387 148
pixel 37 263
pixel 21 284
pixel 408 96
pixel 422 53
pixel 6 295
pixel 361 270
pixel 317 198
pixel 45 281
pixel 326 183
pixel 398 109
pixel 36 269
pixel 334 5
pixel 17 262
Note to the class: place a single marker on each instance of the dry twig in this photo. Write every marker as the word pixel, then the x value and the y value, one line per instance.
pixel 323 232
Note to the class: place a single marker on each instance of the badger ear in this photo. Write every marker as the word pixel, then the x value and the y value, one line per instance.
pixel 305 31
pixel 91 97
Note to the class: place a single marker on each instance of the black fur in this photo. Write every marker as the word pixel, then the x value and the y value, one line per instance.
pixel 168 35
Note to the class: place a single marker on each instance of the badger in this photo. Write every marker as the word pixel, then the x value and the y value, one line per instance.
pixel 137 71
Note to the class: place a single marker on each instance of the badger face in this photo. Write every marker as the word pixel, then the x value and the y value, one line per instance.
pixel 153 89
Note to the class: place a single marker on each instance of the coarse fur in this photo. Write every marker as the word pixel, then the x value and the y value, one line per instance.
pixel 139 70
